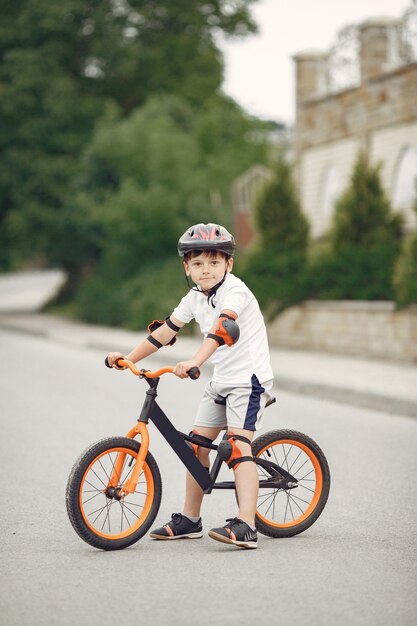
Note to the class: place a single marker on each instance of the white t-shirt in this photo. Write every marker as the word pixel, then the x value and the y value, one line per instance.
pixel 250 354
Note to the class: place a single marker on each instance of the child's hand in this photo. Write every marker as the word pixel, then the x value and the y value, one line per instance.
pixel 183 367
pixel 112 357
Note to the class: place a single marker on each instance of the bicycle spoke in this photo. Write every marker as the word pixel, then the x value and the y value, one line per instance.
pixel 306 461
pixel 275 456
pixel 102 467
pixel 91 485
pixel 101 511
pixel 289 504
pixel 113 462
pixel 289 508
pixel 92 497
pixel 296 503
pixel 294 462
pixel 307 488
pixel 107 518
pixel 298 498
pixel 133 512
pixel 122 506
pixel 285 456
pixel 97 476
pixel 111 517
pixel 127 475
pixel 286 509
pixel 266 498
pixel 273 500
pixel 308 474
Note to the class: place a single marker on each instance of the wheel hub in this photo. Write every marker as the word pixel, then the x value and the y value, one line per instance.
pixel 114 493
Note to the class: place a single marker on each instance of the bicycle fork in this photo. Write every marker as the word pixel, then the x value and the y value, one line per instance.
pixel 130 484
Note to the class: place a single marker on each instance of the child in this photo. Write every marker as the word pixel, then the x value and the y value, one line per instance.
pixel 224 308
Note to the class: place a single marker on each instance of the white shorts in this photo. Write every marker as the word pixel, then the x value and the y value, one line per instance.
pixel 243 409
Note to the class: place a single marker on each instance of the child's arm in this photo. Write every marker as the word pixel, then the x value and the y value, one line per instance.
pixel 206 350
pixel 162 335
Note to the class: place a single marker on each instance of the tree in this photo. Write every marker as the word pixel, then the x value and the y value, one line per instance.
pixel 405 274
pixel 363 242
pixel 62 63
pixel 275 269
pixel 146 177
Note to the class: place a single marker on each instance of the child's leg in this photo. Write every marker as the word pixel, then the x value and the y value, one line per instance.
pixel 247 480
pixel 193 492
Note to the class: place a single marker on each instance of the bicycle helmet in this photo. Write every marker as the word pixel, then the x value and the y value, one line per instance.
pixel 206 237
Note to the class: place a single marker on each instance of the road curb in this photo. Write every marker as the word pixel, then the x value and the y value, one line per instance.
pixel 343 395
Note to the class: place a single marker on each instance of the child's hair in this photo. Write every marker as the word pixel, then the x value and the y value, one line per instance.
pixel 211 253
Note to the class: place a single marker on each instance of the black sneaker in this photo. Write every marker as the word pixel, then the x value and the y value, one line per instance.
pixel 180 527
pixel 237 532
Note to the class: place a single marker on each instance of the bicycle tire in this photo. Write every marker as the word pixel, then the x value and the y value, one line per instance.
pixel 298 454
pixel 90 474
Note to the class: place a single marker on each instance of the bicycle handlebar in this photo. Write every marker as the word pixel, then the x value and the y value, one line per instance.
pixel 193 373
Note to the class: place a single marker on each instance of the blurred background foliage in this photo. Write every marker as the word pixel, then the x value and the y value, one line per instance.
pixel 276 266
pixel 405 271
pixel 364 255
pixel 116 136
pixel 356 261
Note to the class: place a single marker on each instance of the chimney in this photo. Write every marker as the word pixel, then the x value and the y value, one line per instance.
pixel 310 75
pixel 377 46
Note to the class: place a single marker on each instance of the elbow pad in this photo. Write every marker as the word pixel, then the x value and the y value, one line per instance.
pixel 226 332
pixel 157 324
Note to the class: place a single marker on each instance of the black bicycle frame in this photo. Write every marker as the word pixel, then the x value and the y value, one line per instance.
pixel 279 477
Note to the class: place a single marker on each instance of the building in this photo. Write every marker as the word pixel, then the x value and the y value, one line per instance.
pixel 359 95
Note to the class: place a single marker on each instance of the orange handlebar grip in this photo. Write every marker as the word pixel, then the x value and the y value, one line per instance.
pixel 125 363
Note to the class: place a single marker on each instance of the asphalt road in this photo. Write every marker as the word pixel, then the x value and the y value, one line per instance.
pixel 357 565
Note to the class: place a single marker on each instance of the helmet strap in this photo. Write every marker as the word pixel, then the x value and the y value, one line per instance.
pixel 211 294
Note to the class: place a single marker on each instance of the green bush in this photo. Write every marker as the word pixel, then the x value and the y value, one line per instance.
pixel 363 243
pixel 149 294
pixel 353 274
pixel 147 177
pixel 102 299
pixel 405 275
pixel 154 294
pixel 275 269
pixel 277 279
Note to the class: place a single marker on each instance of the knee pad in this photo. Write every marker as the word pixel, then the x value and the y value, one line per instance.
pixel 230 453
pixel 198 438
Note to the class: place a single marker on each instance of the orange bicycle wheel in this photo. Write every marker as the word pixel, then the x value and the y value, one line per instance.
pixel 288 512
pixel 97 513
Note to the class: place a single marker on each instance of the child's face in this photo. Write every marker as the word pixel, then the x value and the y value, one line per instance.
pixel 206 271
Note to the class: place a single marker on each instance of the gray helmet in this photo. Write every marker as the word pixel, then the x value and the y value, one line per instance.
pixel 206 237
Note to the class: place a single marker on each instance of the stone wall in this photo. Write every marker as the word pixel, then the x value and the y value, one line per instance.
pixel 365 329
pixel 383 101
